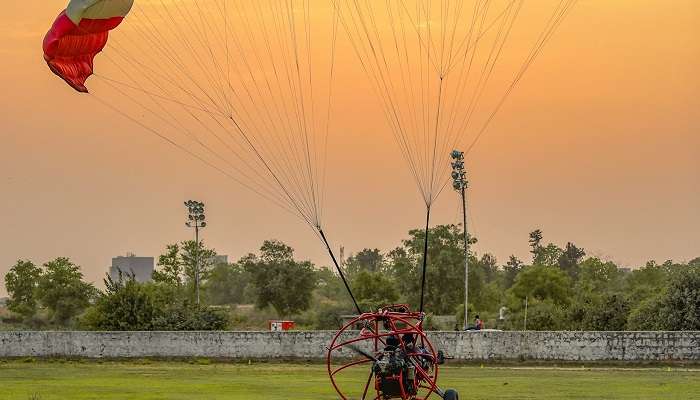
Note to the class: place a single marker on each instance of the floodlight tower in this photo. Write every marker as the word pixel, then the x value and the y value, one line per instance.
pixel 196 219
pixel 460 184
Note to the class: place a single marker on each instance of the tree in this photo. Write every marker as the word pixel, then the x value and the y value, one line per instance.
pixel 171 271
pixel 62 290
pixel 181 262
pixel 197 261
pixel 126 305
pixel 227 283
pixel 611 314
pixel 542 283
pixel 279 280
pixel 600 276
pixel 403 268
pixel 681 305
pixel 511 270
pixel 549 255
pixel 370 260
pixel 647 282
pixel 543 255
pixel 647 315
pixel 373 290
pixel 570 259
pixel 21 283
pixel 535 241
pixel 444 288
pixel 543 316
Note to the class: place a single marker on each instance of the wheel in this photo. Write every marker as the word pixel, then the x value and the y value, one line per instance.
pixel 451 394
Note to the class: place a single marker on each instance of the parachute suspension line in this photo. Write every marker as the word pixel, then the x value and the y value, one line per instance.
pixel 425 258
pixel 331 79
pixel 215 94
pixel 486 73
pixel 286 171
pixel 156 114
pixel 435 143
pixel 365 51
pixel 182 127
pixel 188 152
pixel 556 20
pixel 340 270
pixel 290 165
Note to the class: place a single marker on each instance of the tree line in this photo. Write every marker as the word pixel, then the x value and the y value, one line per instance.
pixel 558 288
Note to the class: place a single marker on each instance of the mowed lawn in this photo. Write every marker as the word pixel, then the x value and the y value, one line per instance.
pixel 150 380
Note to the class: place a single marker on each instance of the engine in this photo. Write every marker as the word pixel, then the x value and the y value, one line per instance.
pixel 395 370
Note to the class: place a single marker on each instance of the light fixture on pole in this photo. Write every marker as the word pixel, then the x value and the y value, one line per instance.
pixel 460 184
pixel 196 219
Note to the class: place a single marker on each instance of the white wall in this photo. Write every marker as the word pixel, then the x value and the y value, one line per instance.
pixel 563 346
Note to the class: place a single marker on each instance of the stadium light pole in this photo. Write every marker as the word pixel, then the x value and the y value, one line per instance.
pixel 460 184
pixel 196 219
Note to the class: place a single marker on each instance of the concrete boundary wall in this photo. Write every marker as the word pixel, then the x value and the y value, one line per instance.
pixel 464 346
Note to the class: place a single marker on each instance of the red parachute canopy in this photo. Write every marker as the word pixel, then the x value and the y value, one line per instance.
pixel 78 34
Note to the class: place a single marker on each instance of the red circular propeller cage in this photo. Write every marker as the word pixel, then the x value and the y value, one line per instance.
pixel 346 352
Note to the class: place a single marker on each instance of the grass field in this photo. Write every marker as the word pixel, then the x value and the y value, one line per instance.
pixel 152 380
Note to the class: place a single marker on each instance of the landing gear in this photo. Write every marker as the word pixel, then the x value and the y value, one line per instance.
pixel 451 394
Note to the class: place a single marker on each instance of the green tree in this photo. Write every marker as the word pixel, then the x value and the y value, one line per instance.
pixel 279 280
pixel 570 258
pixel 647 282
pixel 681 304
pixel 126 305
pixel 21 283
pixel 544 316
pixel 610 314
pixel 171 269
pixel 403 268
pixel 129 305
pixel 511 271
pixel 542 283
pixel 62 290
pixel 543 255
pixel 370 260
pixel 180 264
pixel 197 258
pixel 226 284
pixel 549 255
pixel 535 241
pixel 373 290
pixel 444 288
pixel 647 315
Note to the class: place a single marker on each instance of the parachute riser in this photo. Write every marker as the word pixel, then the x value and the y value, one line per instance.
pixel 425 258
pixel 340 270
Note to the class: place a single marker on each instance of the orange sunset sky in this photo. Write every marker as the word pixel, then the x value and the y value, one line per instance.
pixel 599 145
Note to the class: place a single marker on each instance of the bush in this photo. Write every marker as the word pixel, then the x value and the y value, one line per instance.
pixel 131 306
pixel 191 318
pixel 647 316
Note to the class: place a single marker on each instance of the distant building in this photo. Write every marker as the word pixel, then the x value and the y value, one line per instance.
pixel 140 267
pixel 220 259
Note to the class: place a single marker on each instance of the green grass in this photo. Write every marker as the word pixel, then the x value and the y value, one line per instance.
pixel 150 380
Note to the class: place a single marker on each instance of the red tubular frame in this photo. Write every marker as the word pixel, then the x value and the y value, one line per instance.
pixel 426 380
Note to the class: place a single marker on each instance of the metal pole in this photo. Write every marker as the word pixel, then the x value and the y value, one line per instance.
pixel 466 259
pixel 196 260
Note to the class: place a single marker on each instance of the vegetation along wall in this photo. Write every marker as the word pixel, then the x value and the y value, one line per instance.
pixel 465 346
